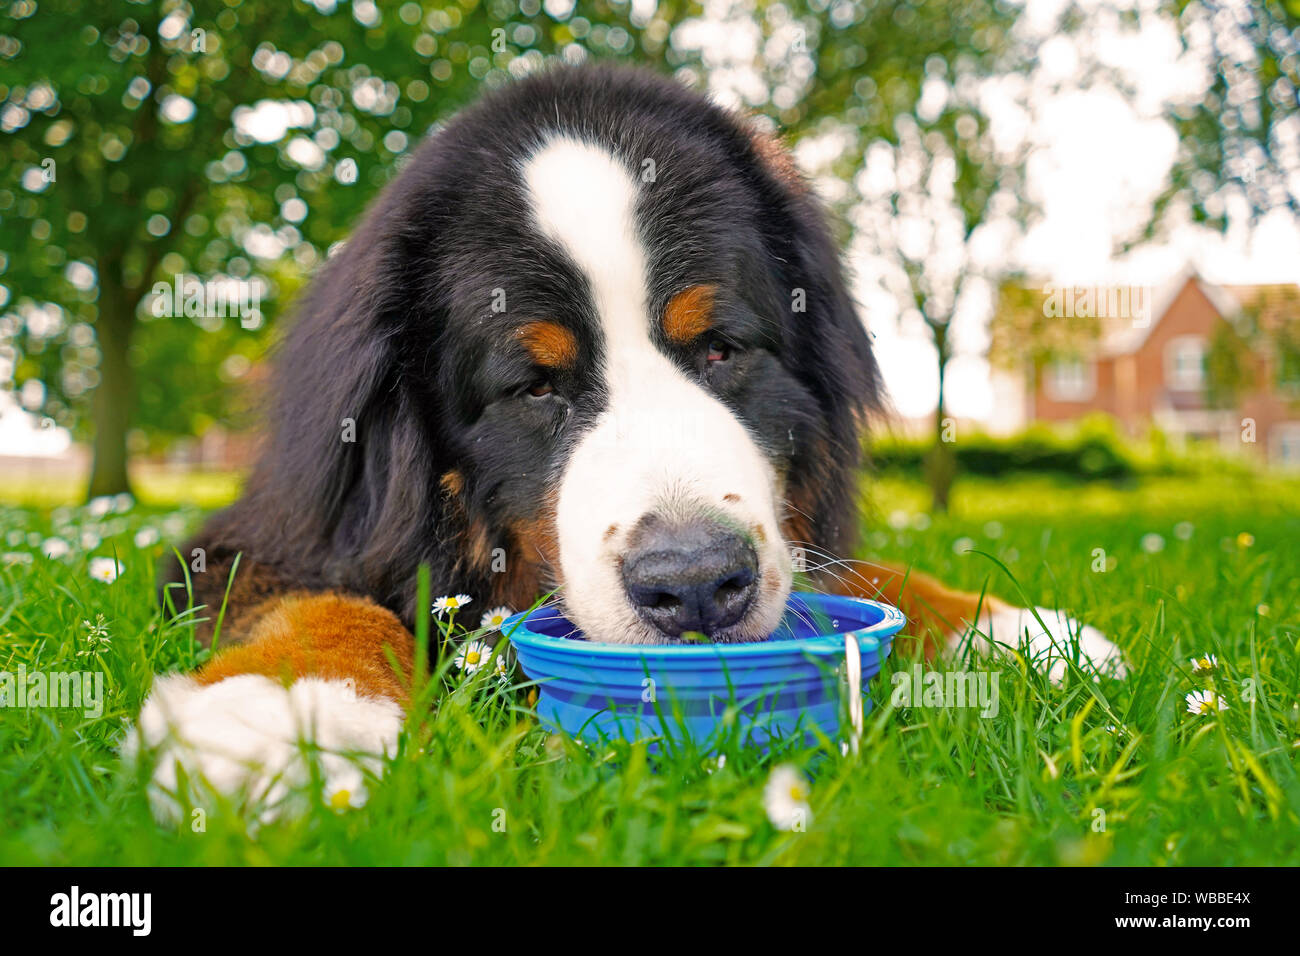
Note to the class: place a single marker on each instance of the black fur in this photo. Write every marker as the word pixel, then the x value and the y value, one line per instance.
pixel 397 334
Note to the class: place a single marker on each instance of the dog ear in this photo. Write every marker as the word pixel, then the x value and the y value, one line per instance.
pixel 827 347
pixel 348 479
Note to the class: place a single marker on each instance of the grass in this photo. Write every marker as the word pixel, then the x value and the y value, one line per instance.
pixel 1079 773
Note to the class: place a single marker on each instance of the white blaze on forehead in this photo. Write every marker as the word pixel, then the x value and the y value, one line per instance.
pixel 585 199
pixel 663 442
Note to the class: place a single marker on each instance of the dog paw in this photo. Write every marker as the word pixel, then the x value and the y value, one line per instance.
pixel 1052 649
pixel 253 741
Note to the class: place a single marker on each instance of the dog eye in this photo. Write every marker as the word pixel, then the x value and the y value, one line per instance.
pixel 719 351
pixel 540 388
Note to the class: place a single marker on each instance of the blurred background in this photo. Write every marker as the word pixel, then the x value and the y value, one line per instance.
pixel 1073 227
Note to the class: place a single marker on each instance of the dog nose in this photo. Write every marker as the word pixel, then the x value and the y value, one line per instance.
pixel 697 575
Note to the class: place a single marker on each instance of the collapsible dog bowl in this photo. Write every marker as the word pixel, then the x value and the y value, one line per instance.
pixel 786 686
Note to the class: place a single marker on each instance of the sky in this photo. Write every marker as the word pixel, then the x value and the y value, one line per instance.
pixel 1099 160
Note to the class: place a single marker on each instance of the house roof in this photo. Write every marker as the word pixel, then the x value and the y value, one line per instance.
pixel 1123 336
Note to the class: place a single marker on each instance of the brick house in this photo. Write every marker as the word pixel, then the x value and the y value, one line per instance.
pixel 1153 371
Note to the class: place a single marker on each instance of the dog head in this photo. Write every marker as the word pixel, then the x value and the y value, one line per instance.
pixel 595 336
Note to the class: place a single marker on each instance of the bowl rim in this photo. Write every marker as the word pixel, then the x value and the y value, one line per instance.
pixel 892 620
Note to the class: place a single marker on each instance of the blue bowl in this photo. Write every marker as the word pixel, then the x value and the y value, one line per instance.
pixel 786 686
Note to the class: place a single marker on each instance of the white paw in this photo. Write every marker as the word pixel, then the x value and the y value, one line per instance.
pixel 251 739
pixel 1050 650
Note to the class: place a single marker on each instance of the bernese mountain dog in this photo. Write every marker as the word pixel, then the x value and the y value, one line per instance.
pixel 596 340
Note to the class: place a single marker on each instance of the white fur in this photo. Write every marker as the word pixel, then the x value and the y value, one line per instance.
pixel 664 444
pixel 1050 650
pixel 244 737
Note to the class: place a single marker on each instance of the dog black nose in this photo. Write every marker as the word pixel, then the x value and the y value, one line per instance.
pixel 697 575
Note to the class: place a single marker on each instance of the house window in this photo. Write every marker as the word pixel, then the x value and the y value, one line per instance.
pixel 1286 444
pixel 1185 363
pixel 1288 366
pixel 1070 380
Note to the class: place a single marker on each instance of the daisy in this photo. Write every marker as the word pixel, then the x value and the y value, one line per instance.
pixel 472 656
pixel 106 569
pixel 98 507
pixel 451 602
pixel 55 548
pixel 1245 540
pixel 785 797
pixel 502 668
pixel 493 619
pixel 146 537
pixel 1206 662
pixel 1202 702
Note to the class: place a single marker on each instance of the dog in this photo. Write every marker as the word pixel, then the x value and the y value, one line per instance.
pixel 595 339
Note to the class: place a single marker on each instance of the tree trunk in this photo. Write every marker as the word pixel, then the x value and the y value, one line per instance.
pixel 942 465
pixel 111 402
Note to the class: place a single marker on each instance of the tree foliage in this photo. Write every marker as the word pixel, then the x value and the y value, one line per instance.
pixel 145 140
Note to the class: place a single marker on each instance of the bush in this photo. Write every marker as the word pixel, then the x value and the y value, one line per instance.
pixel 1092 450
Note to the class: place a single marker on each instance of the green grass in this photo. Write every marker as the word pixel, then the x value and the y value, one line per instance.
pixel 929 786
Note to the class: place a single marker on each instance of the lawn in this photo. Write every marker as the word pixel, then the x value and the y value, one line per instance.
pixel 1116 772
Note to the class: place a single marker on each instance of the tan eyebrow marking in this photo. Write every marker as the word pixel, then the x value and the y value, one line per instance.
pixel 452 482
pixel 689 314
pixel 550 344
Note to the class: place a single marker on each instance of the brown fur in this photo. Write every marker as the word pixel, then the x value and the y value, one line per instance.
pixel 331 636
pixel 933 610
pixel 551 345
pixel 255 587
pixel 773 154
pixel 537 561
pixel 689 314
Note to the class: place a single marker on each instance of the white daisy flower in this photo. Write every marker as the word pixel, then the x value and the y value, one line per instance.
pixel 1202 702
pixel 493 619
pixel 1152 543
pixel 98 507
pixel 472 656
pixel 1206 662
pixel 147 537
pixel 503 669
pixel 450 602
pixel 785 798
pixel 106 569
pixel 55 548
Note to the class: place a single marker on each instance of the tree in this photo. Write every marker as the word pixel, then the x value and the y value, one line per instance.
pixel 1026 330
pixel 1236 135
pixel 905 87
pixel 227 144
pixel 1256 349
